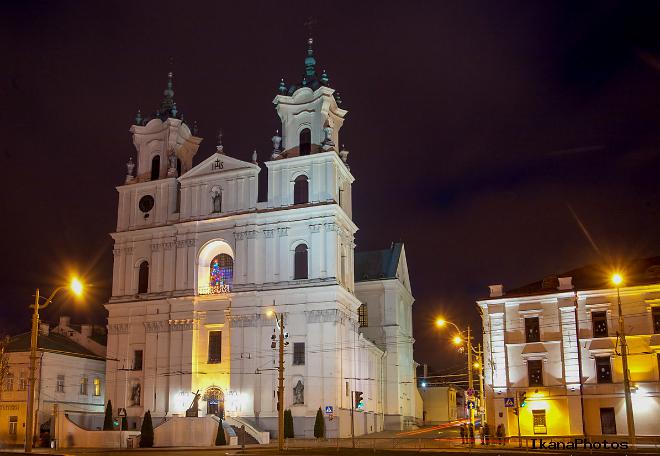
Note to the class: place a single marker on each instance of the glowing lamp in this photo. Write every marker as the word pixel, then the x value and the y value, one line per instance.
pixel 457 340
pixel 476 365
pixel 76 286
pixel 617 279
pixel 440 322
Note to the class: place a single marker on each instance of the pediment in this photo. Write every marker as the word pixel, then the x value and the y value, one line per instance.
pixel 218 164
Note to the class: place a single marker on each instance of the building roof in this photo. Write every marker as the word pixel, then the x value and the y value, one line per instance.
pixel 643 271
pixel 53 342
pixel 377 264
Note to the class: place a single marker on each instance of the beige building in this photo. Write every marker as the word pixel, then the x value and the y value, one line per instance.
pixel 441 404
pixel 555 341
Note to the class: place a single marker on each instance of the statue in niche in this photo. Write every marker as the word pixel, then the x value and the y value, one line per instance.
pixel 299 393
pixel 136 390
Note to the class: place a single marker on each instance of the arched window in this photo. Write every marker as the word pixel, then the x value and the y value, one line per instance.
pixel 305 141
pixel 217 202
pixel 143 277
pixel 300 269
pixel 155 167
pixel 221 271
pixel 301 190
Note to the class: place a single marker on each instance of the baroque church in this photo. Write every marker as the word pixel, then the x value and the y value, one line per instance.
pixel 200 265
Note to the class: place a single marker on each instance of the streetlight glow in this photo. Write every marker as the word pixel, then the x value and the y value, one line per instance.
pixel 440 322
pixel 476 365
pixel 617 279
pixel 458 340
pixel 270 312
pixel 76 286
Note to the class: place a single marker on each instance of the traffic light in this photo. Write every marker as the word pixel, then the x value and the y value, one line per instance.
pixel 273 339
pixel 358 399
pixel 286 336
pixel 522 400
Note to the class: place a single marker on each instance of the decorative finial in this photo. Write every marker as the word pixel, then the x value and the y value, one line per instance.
pixel 338 98
pixel 282 87
pixel 138 118
pixel 174 110
pixel 304 82
pixel 218 146
pixel 195 128
pixel 169 92
pixel 254 156
pixel 343 154
pixel 277 141
pixel 325 79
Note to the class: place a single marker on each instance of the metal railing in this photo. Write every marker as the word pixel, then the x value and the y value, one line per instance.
pixel 214 290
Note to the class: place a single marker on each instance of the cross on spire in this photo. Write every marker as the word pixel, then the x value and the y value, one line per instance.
pixel 310 23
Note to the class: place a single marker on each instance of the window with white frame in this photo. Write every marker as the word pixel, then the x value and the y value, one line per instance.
pixel 59 387
pixel 97 386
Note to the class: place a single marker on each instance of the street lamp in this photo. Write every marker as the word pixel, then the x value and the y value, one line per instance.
pixel 76 287
pixel 459 340
pixel 617 280
pixel 279 320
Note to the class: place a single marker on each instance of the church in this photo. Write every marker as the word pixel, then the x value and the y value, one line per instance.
pixel 201 265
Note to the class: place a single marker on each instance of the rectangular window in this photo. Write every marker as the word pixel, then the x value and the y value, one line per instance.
pixel 97 386
pixel 9 382
pixel 363 316
pixel 13 425
pixel 298 353
pixel 532 333
pixel 83 385
pixel 539 422
pixel 137 360
pixel 599 323
pixel 215 347
pixel 607 421
pixel 22 381
pixel 535 372
pixel 603 369
pixel 348 391
pixel 60 384
pixel 655 312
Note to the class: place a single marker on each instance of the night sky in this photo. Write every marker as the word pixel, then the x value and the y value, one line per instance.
pixel 479 132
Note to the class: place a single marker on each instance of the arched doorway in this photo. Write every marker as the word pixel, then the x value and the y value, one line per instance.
pixel 215 402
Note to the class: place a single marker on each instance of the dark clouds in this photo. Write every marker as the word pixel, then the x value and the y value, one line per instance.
pixel 472 127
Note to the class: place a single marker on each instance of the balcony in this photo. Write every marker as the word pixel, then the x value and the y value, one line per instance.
pixel 214 290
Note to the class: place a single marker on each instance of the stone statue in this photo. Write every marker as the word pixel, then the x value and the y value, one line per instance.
pixel 299 393
pixel 130 166
pixel 194 406
pixel 277 141
pixel 171 169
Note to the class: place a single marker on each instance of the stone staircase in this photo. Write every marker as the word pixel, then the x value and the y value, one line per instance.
pixel 249 440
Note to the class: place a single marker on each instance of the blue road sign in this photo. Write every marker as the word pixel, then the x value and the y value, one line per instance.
pixel 328 409
pixel 509 402
pixel 471 405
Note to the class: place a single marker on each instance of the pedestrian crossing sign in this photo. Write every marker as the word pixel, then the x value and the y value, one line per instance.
pixel 328 409
pixel 508 402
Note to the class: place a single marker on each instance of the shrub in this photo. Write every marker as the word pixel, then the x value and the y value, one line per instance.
pixel 288 424
pixel 147 431
pixel 108 422
pixel 220 438
pixel 319 425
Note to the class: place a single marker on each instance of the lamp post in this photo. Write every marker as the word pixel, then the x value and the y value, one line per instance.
pixel 280 369
pixel 76 287
pixel 617 280
pixel 458 340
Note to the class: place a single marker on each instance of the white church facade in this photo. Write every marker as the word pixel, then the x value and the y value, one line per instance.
pixel 199 263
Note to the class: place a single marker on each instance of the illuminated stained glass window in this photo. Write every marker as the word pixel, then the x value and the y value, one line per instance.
pixel 221 271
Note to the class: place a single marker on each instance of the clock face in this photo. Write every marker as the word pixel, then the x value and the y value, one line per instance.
pixel 146 203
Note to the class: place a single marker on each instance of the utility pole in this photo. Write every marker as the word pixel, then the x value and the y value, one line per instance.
pixel 481 386
pixel 626 373
pixel 29 427
pixel 470 376
pixel 280 388
pixel 352 419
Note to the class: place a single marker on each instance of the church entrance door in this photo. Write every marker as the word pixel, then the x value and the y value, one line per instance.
pixel 215 402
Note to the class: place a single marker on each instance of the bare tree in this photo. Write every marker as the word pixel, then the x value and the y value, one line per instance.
pixel 4 362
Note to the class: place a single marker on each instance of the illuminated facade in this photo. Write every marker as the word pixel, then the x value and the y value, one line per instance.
pixel 556 342
pixel 199 263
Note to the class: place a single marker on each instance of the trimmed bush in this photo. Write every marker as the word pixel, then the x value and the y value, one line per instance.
pixel 319 425
pixel 147 432
pixel 288 424
pixel 108 422
pixel 220 438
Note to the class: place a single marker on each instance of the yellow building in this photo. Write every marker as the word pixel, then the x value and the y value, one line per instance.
pixel 551 350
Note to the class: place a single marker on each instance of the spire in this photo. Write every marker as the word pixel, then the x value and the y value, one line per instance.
pixel 219 148
pixel 282 87
pixel 138 118
pixel 310 61
pixel 325 80
pixel 168 93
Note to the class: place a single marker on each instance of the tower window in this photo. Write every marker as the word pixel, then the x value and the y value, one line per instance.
pixel 532 333
pixel 143 277
pixel 155 167
pixel 300 262
pixel 298 353
pixel 215 347
pixel 137 360
pixel 599 322
pixel 301 190
pixel 655 311
pixel 221 271
pixel 535 372
pixel 363 316
pixel 603 369
pixel 178 166
pixel 305 141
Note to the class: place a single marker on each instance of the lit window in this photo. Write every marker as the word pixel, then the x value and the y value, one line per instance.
pixel 300 268
pixel 59 387
pixel 221 271
pixel 603 369
pixel 298 353
pixel 83 385
pixel 215 347
pixel 599 323
pixel 539 422
pixel 532 333
pixel 301 190
pixel 13 425
pixel 97 386
pixel 535 372
pixel 363 316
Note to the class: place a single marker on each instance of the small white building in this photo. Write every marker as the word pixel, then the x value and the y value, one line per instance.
pixel 556 342
pixel 70 373
pixel 199 264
